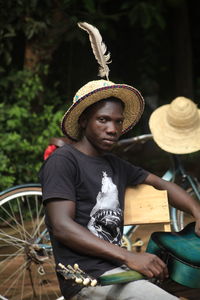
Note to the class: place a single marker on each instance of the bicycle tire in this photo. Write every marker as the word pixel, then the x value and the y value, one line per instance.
pixel 27 268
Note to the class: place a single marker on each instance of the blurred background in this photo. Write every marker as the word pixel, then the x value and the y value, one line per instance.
pixel 45 57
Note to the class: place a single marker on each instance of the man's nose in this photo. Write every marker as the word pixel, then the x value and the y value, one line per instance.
pixel 112 128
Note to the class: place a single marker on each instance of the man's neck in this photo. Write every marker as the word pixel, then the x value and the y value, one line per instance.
pixel 87 148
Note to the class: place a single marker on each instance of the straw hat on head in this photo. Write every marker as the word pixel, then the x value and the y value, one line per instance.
pixel 95 91
pixel 176 126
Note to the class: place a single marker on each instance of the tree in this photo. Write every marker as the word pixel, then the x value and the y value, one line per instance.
pixel 45 58
pixel 182 58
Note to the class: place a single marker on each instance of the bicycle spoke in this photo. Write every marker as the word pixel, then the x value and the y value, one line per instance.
pixel 23 284
pixel 15 282
pixel 21 216
pixel 10 278
pixel 14 290
pixel 14 218
pixel 10 240
pixel 37 211
pixel 8 261
pixel 18 226
pixel 36 223
pixel 31 214
pixel 38 227
pixel 39 222
pixel 10 255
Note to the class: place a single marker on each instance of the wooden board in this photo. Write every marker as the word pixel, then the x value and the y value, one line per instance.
pixel 146 205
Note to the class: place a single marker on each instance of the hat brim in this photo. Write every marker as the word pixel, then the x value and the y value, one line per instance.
pixel 171 139
pixel 134 107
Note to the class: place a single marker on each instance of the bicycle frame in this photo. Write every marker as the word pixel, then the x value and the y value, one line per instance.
pixel 187 181
pixel 179 169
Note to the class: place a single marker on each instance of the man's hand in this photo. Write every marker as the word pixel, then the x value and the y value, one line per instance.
pixel 147 264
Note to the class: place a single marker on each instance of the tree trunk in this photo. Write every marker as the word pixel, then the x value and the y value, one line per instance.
pixel 41 49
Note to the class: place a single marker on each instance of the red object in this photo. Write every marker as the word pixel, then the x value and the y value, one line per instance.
pixel 49 150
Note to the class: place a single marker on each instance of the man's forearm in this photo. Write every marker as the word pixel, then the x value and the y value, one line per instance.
pixel 177 197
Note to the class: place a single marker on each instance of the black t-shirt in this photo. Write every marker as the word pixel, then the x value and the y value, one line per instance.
pixel 97 185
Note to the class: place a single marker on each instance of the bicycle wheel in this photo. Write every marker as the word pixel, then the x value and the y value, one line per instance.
pixel 26 262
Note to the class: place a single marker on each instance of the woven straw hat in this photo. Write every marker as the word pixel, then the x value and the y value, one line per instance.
pixel 176 126
pixel 95 91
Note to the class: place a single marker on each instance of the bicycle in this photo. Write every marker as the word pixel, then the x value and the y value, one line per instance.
pixel 26 260
pixel 176 173
pixel 25 250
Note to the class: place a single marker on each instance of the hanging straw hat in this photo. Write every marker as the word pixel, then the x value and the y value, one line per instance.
pixel 95 91
pixel 176 126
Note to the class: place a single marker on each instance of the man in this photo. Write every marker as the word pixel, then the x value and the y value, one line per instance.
pixel 83 192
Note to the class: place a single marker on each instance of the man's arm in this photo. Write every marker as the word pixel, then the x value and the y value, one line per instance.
pixel 178 197
pixel 66 230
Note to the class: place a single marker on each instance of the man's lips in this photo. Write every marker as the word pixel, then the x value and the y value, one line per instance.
pixel 110 141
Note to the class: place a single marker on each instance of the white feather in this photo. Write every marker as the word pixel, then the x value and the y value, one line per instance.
pixel 99 48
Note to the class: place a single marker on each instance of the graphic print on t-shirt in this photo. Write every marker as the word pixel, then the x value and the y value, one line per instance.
pixel 106 215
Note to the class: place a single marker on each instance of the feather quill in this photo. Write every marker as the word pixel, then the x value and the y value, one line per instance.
pixel 98 47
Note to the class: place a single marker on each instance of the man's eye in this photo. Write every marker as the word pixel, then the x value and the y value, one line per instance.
pixel 102 120
pixel 120 122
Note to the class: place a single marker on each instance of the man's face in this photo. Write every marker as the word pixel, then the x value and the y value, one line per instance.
pixel 103 125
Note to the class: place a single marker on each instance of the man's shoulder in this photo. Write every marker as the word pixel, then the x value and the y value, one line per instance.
pixel 61 155
pixel 60 158
pixel 66 150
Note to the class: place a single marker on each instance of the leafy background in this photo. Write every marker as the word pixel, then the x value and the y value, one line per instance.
pixel 45 58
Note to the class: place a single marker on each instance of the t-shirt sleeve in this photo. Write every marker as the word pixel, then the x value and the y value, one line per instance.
pixel 135 175
pixel 58 178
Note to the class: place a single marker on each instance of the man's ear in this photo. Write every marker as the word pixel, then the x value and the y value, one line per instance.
pixel 82 122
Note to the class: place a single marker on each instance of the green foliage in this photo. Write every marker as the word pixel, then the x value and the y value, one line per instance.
pixel 30 109
pixel 26 126
pixel 17 17
pixel 146 13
